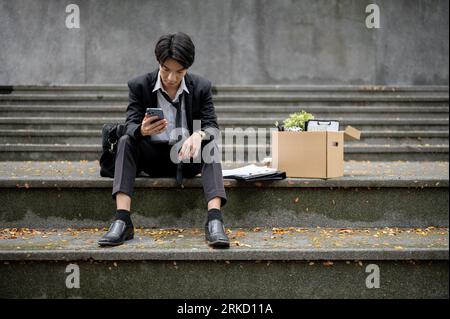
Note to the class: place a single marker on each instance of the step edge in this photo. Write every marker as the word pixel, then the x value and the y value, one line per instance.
pixel 147 182
pixel 241 254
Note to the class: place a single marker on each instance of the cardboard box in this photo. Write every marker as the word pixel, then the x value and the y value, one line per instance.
pixel 311 154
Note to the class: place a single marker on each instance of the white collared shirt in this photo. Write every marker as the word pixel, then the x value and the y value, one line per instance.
pixel 170 112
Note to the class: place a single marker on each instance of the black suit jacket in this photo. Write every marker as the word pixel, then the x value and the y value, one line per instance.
pixel 198 103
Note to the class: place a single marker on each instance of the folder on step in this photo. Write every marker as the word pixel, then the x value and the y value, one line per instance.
pixel 253 173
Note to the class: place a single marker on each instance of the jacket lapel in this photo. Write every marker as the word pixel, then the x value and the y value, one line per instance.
pixel 188 101
pixel 152 81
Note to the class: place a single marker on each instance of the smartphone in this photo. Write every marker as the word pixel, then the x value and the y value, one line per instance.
pixel 153 111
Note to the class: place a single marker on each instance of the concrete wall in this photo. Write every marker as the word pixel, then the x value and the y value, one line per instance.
pixel 237 41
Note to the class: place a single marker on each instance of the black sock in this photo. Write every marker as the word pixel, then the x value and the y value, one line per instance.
pixel 215 213
pixel 124 215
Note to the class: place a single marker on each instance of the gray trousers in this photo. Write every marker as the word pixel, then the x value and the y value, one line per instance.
pixel 134 156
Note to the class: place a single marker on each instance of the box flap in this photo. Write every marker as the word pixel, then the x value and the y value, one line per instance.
pixel 352 133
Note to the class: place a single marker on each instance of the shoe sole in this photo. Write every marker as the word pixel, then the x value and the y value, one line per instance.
pixel 106 244
pixel 219 243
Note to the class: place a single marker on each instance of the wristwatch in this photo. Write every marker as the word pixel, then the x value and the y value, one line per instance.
pixel 201 133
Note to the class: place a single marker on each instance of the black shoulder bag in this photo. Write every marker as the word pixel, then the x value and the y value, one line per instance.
pixel 111 133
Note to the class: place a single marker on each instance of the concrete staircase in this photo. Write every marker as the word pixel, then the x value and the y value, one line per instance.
pixel 262 263
pixel 296 238
pixel 64 122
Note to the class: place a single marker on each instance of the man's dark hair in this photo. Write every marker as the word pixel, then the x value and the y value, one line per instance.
pixel 176 46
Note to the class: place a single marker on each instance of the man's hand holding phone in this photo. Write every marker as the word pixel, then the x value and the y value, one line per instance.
pixel 153 124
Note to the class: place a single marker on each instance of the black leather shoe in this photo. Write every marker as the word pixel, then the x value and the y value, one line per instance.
pixel 215 234
pixel 117 234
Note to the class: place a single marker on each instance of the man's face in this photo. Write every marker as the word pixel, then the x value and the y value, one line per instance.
pixel 171 74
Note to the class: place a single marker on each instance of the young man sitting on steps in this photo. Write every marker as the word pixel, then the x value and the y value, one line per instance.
pixel 183 98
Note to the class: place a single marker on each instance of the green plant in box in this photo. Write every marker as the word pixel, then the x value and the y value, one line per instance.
pixel 296 121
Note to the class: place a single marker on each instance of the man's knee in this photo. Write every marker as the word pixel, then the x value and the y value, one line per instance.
pixel 127 148
pixel 211 153
pixel 126 140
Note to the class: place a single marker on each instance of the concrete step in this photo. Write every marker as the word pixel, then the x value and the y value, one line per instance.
pixel 333 98
pixel 404 112
pixel 331 112
pixel 226 89
pixel 261 263
pixel 94 136
pixel 122 103
pixel 301 99
pixel 319 97
pixel 252 152
pixel 230 90
pixel 371 194
pixel 73 89
pixel 233 90
pixel 342 89
pixel 47 123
